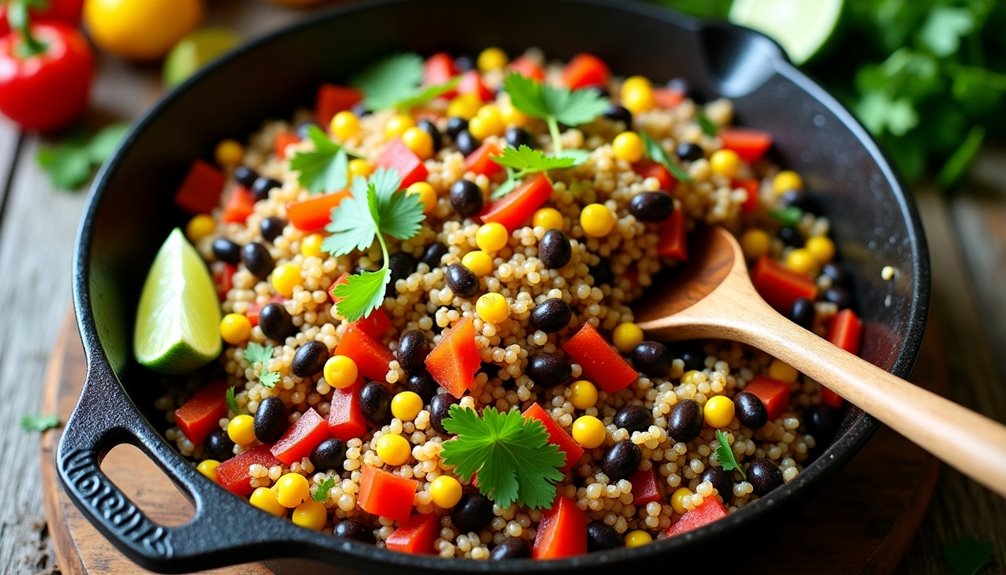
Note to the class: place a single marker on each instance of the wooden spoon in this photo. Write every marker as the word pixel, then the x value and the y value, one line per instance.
pixel 713 297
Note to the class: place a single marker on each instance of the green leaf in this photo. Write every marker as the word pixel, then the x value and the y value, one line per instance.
pixel 106 141
pixel 879 112
pixel 232 402
pixel 352 226
pixel 426 94
pixel 656 152
pixel 725 455
pixel 944 28
pixel 967 556
pixel 68 166
pixel 709 127
pixel 788 216
pixel 39 422
pixel 528 160
pixel 402 215
pixel 544 101
pixel 268 378
pixel 258 353
pixel 385 183
pixel 361 294
pixel 321 493
pixel 514 460
pixel 961 159
pixel 324 169
pixel 505 188
pixel 389 81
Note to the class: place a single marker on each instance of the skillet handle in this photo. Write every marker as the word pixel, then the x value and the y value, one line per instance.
pixel 105 417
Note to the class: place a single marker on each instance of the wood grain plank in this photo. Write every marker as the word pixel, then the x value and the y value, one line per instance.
pixel 10 137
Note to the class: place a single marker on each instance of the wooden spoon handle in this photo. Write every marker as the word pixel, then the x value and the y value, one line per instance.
pixel 973 443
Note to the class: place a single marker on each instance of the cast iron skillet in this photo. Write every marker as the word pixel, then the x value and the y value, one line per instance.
pixel 130 212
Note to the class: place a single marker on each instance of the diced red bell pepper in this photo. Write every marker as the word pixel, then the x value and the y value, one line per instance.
pixel 201 189
pixel 528 68
pixel 223 278
pixel 780 286
pixel 314 213
pixel 455 359
pixel 255 309
pixel 602 364
pixel 517 207
pixel 415 536
pixel 302 437
pixel 750 204
pixel 585 70
pixel 471 83
pixel 240 205
pixel 439 69
pixel 386 495
pixel 845 330
pixel 375 325
pixel 672 235
pixel 232 474
pixel 556 435
pixel 710 510
pixel 749 144
pixel 668 98
pixel 831 399
pixel 333 99
pixel 284 139
pixel 201 414
pixel 773 394
pixel 645 486
pixel 649 169
pixel 397 156
pixel 371 356
pixel 345 416
pixel 481 160
pixel 562 531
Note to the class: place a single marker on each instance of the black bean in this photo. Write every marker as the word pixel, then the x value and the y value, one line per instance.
pixel 257 259
pixel 245 176
pixel 466 197
pixel 354 530
pixel 802 313
pixel 440 409
pixel 511 548
pixel 721 481
pixel 689 152
pixel 821 421
pixel 456 125
pixel 272 419
pixel 401 264
pixel 433 254
pixel 617 113
pixel 309 359
pixel 554 249
pixel 839 296
pixel 652 358
pixel 473 513
pixel 466 142
pixel 218 445
pixel 462 280
pixel 431 129
pixel 839 276
pixel 798 199
pixel 602 273
pixel 262 186
pixel 551 315
pixel 329 454
pixel 651 206
pixel 276 322
pixel 360 109
pixel 764 476
pixel 694 358
pixel 685 421
pixel 517 137
pixel 226 251
pixel 422 384
pixel 375 403
pixel 633 418
pixel 271 228
pixel 464 63
pixel 413 347
pixel 548 369
pixel 791 237
pixel 750 410
pixel 621 460
pixel 601 537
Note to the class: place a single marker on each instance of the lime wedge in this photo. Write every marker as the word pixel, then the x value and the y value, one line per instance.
pixel 195 51
pixel 178 319
pixel 802 27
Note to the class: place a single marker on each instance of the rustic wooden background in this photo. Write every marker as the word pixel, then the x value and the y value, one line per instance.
pixel 967 240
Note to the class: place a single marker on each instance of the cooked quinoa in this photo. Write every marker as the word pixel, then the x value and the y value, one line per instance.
pixel 600 282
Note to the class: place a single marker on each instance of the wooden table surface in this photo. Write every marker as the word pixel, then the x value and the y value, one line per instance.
pixel 967 241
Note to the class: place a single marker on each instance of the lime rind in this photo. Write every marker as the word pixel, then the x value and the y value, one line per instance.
pixel 802 27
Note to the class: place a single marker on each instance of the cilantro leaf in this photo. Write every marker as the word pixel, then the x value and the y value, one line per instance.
pixel 268 378
pixel 514 460
pixel 324 169
pixel 258 353
pixel 321 493
pixel 944 28
pixel 788 216
pixel 725 455
pixel 966 556
pixel 362 293
pixel 524 161
pixel 71 162
pixel 962 157
pixel 428 93
pixel 232 402
pixel 352 226
pixel 709 127
pixel 553 104
pixel 394 82
pixel 39 422
pixel 106 141
pixel 656 152
pixel 402 215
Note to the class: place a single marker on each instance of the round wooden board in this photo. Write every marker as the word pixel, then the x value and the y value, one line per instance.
pixel 861 521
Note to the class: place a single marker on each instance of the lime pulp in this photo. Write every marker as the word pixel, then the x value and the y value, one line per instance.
pixel 195 51
pixel 802 27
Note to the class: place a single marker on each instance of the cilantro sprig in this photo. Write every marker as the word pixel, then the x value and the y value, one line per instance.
pixel 512 455
pixel 257 353
pixel 725 455
pixel 321 493
pixel 553 104
pixel 378 207
pixel 656 152
pixel 395 82
pixel 709 127
pixel 232 402
pixel 323 169
pixel 525 161
pixel 39 422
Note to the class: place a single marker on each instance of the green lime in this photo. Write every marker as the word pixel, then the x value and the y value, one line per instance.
pixel 802 27
pixel 178 319
pixel 195 51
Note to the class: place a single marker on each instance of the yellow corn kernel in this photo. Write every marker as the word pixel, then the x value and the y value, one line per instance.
pixel 548 218
pixel 199 227
pixel 229 153
pixel 479 262
pixel 445 491
pixel 208 468
pixel 583 394
pixel 235 328
pixel 397 125
pixel 292 489
pixel 492 59
pixel 597 220
pixel 491 237
pixel 344 125
pixel 310 515
pixel 310 247
pixel 628 146
pixel 756 243
pixel 718 411
pixel 822 248
pixel 677 500
pixel 265 499
pixel 627 336
pixel 241 429
pixel 492 308
pixel 782 371
pixel 285 278
pixel 427 195
pixel 787 180
pixel 419 141
pixel 589 431
pixel 725 163
pixel 406 405
pixel 393 449
pixel 340 371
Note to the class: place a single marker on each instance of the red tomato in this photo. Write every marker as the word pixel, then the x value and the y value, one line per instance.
pixel 67 11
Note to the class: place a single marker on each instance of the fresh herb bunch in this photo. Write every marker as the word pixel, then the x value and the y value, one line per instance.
pixel 656 152
pixel 725 455
pixel 396 82
pixel 258 354
pixel 554 104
